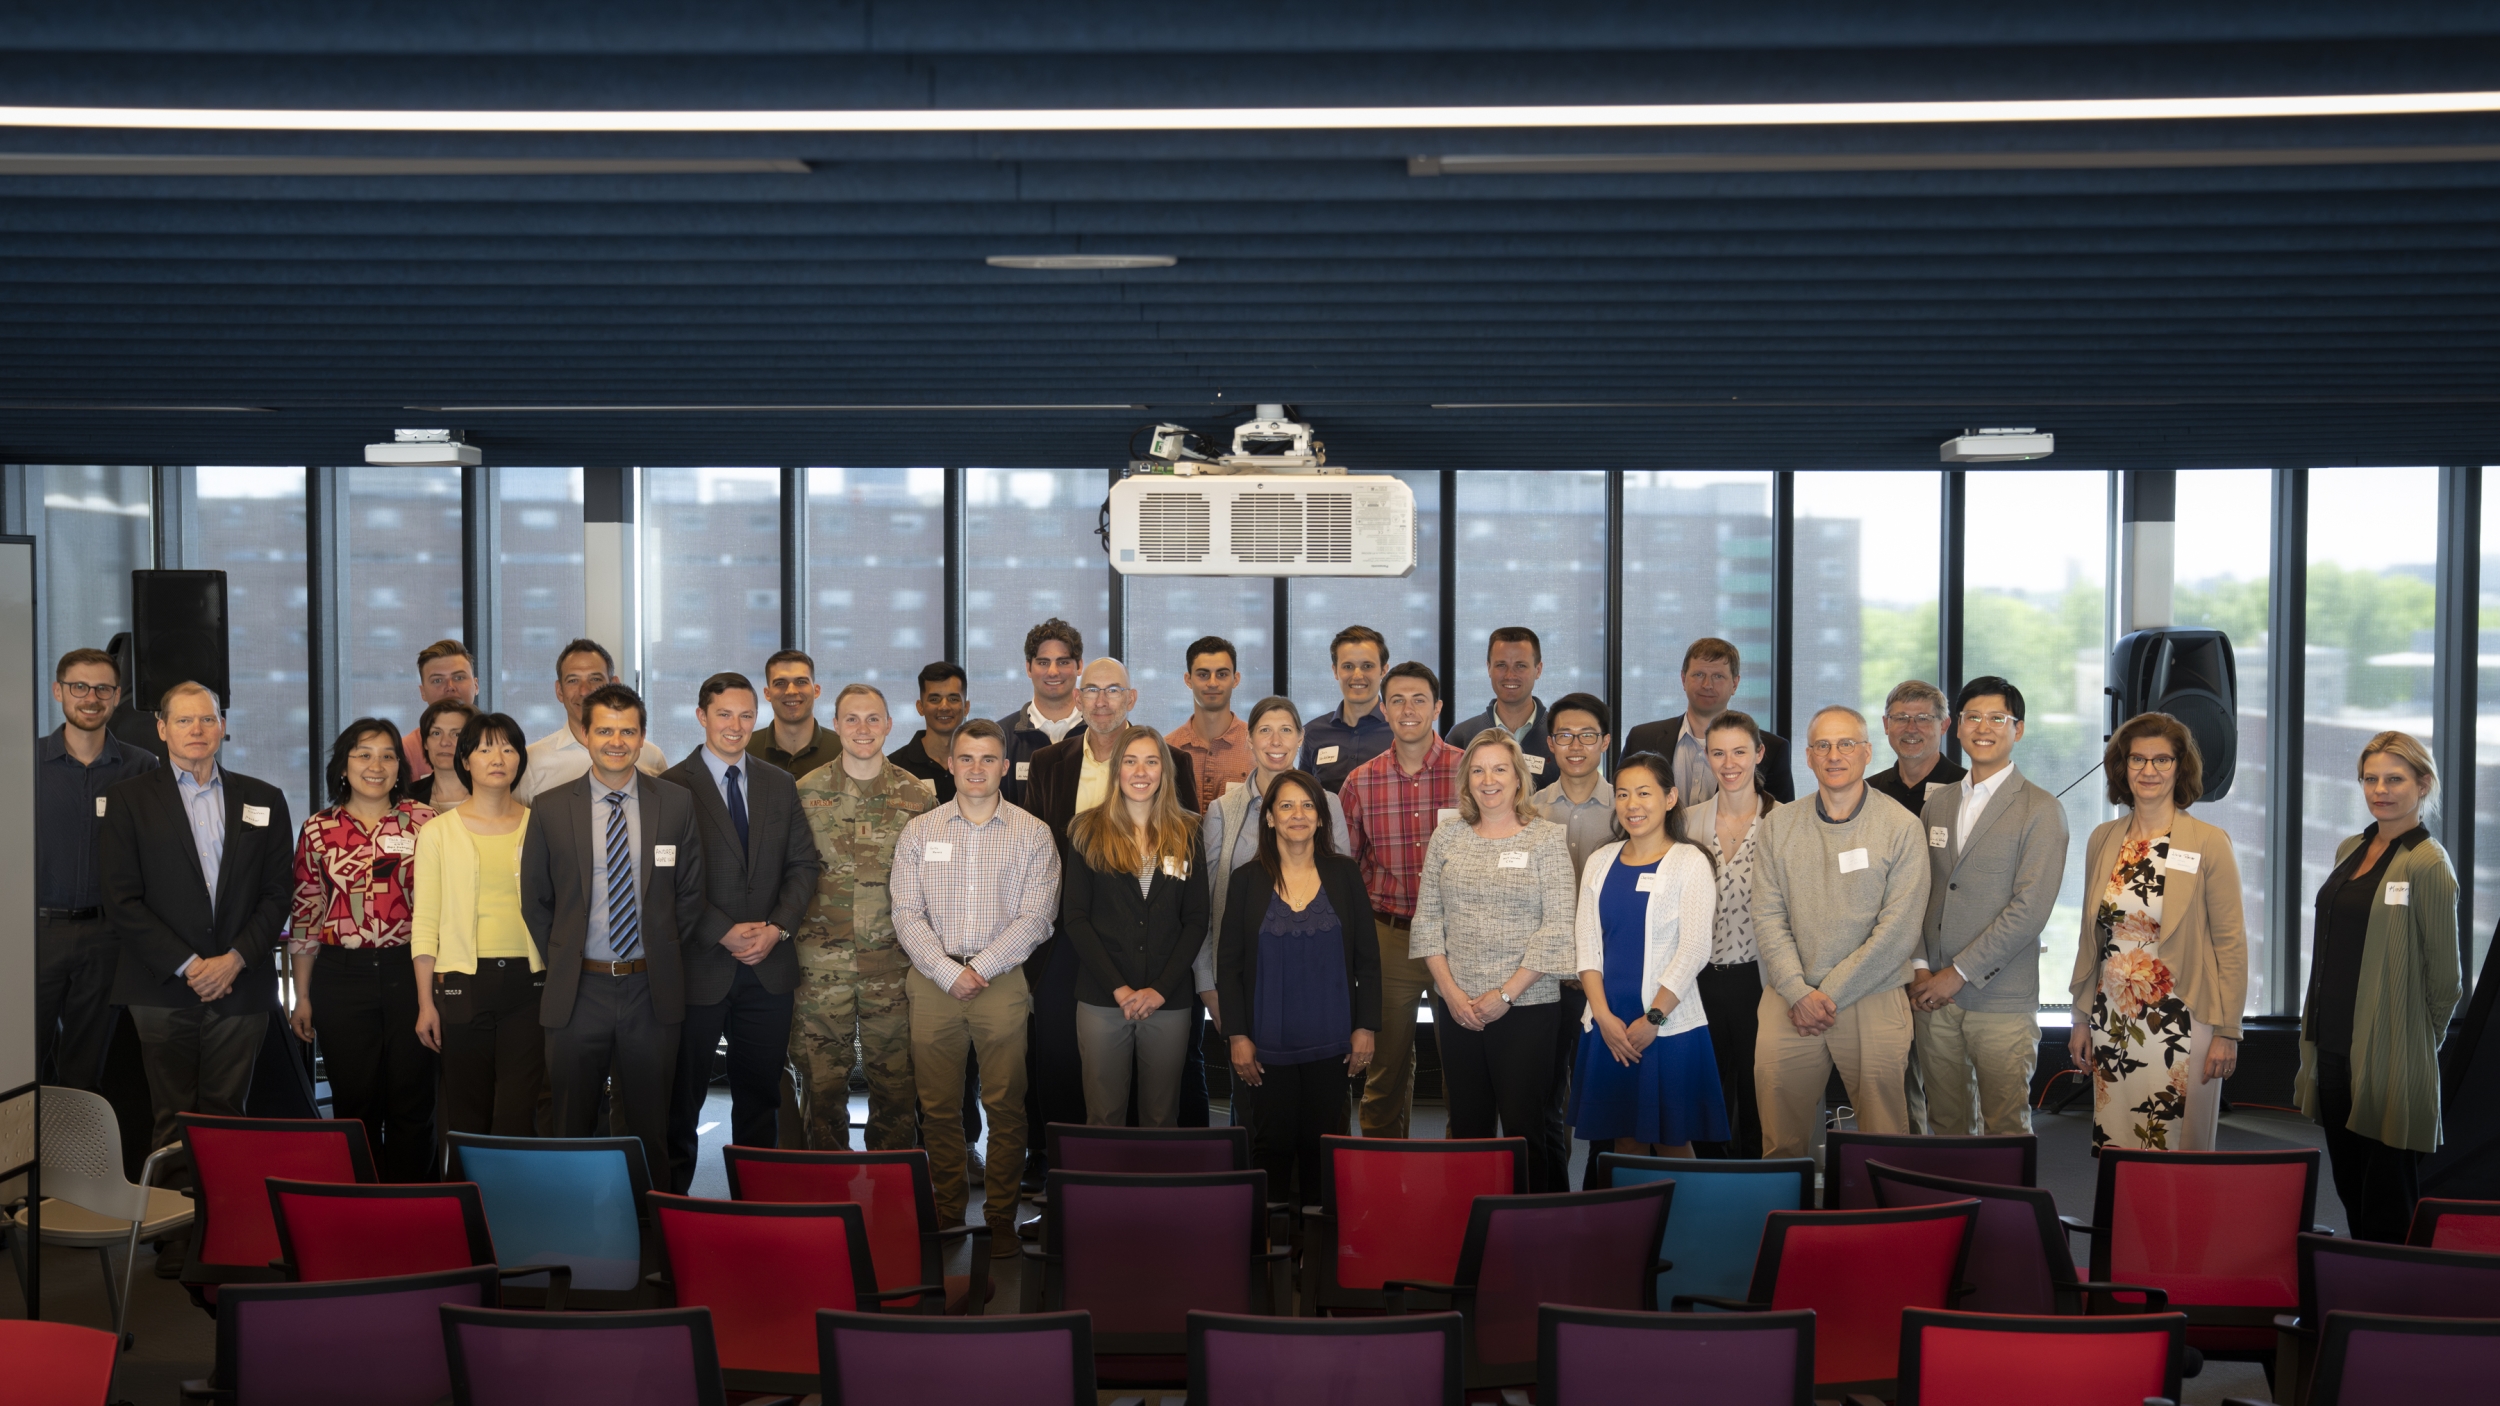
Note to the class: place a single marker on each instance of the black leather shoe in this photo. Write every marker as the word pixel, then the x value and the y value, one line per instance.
pixel 169 1259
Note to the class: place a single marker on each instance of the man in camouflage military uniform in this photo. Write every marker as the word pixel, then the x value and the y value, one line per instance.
pixel 851 967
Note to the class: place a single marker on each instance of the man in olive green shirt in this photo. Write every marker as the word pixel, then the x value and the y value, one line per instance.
pixel 794 742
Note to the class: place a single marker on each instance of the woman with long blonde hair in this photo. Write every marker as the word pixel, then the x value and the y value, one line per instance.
pixel 1133 904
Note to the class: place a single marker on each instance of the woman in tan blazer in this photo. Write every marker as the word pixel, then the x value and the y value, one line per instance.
pixel 2161 970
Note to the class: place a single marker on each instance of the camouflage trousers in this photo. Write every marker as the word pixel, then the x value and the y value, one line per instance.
pixel 832 1007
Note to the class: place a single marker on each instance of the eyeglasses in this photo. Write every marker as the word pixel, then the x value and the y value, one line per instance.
pixel 2151 763
pixel 1989 719
pixel 1587 737
pixel 1842 745
pixel 1094 691
pixel 1911 719
pixel 91 690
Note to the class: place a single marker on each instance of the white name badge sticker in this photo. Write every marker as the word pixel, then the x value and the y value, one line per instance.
pixel 1937 835
pixel 664 856
pixel 937 852
pixel 1515 859
pixel 1328 756
pixel 256 815
pixel 1444 815
pixel 1175 868
pixel 398 844
pixel 2400 895
pixel 2185 860
pixel 1852 860
pixel 1646 883
pixel 1536 765
pixel 99 807
pixel 1932 788
pixel 1024 771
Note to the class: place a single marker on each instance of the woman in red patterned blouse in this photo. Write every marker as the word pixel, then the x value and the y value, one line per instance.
pixel 355 985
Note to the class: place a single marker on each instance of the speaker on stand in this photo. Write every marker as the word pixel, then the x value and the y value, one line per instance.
pixel 2191 675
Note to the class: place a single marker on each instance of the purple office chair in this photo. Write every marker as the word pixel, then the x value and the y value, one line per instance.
pixel 2019 1260
pixel 645 1357
pixel 295 1344
pixel 1077 1147
pixel 1586 1355
pixel 1588 1249
pixel 2011 1159
pixel 2385 1359
pixel 1243 1361
pixel 1042 1359
pixel 1139 1252
pixel 2358 1276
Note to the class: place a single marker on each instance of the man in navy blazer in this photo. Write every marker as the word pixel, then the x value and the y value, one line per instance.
pixel 611 882
pixel 759 874
pixel 197 864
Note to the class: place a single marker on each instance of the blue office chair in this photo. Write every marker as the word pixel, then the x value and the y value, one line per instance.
pixel 1719 1211
pixel 576 1201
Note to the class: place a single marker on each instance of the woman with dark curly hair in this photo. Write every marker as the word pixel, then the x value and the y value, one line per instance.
pixel 2161 972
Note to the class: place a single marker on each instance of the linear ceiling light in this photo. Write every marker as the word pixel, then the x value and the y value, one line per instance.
pixel 1703 163
pixel 84 164
pixel 740 409
pixel 1080 261
pixel 1254 118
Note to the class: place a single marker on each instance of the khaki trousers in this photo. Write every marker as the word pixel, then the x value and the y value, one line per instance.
pixel 991 1025
pixel 1994 1050
pixel 1869 1045
pixel 1389 1090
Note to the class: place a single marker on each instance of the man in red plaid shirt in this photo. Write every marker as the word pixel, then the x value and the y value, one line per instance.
pixel 1392 803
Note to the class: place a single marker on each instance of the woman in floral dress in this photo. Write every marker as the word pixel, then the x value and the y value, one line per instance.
pixel 2161 971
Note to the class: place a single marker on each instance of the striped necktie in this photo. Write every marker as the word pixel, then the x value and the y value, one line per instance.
pixel 624 916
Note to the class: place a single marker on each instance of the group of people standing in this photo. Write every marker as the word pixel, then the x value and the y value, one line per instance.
pixel 1036 918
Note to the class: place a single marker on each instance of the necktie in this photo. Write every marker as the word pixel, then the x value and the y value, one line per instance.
pixel 738 808
pixel 624 917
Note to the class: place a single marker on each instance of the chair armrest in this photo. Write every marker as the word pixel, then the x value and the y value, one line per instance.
pixel 2240 1401
pixel 559 1280
pixel 2155 1300
pixel 147 1173
pixel 1662 1266
pixel 1396 1290
pixel 2290 1323
pixel 1683 1303
pixel 958 1232
pixel 919 1291
pixel 1272 1256
pixel 2322 1230
pixel 2078 1227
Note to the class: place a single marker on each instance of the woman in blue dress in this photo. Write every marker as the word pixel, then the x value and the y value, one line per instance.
pixel 1645 1077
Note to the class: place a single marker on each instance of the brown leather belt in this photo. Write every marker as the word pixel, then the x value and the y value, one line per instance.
pixel 1394 921
pixel 615 968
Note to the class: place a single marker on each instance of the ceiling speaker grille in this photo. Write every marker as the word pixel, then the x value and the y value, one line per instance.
pixel 1330 521
pixel 1267 527
pixel 1174 527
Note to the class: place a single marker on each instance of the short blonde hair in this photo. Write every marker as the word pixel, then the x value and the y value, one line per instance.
pixel 2406 748
pixel 165 703
pixel 1468 810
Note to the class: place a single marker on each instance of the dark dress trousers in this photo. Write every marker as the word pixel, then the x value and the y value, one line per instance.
pixel 198 1055
pixel 767 878
pixel 600 1026
pixel 1054 1082
pixel 1660 737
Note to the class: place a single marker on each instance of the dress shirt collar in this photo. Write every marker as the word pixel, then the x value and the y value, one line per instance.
pixel 190 786
pixel 952 813
pixel 630 790
pixel 1984 791
pixel 720 768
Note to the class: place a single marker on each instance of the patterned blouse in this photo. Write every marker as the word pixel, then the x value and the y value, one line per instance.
pixel 1731 934
pixel 352 884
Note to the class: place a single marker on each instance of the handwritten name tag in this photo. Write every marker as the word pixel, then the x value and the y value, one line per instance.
pixel 99 807
pixel 256 815
pixel 1646 883
pixel 664 856
pixel 1328 755
pixel 398 844
pixel 1515 859
pixel 2185 860
pixel 1937 835
pixel 1444 815
pixel 1024 771
pixel 1852 860
pixel 1175 868
pixel 937 852
pixel 1932 788
pixel 2400 895
pixel 1536 765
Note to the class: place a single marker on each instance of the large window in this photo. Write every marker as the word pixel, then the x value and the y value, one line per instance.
pixel 1866 589
pixel 1404 609
pixel 1166 614
pixel 538 590
pixel 402 586
pixel 1032 556
pixel 92 524
pixel 2035 611
pixel 1696 562
pixel 711 587
pixel 250 525
pixel 1531 551
pixel 2222 584
pixel 2484 780
pixel 876 579
pixel 2373 569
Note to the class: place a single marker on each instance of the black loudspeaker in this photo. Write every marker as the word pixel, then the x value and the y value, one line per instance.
pixel 178 634
pixel 2192 676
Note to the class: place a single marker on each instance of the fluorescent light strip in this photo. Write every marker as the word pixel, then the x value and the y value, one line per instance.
pixel 83 164
pixel 736 409
pixel 1240 119
pixel 1704 163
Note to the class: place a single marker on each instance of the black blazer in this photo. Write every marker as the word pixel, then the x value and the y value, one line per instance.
pixel 564 845
pixel 1123 938
pixel 771 881
pixel 1237 942
pixel 157 898
pixel 1660 737
pixel 1059 769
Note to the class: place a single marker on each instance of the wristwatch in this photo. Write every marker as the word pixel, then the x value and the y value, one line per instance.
pixel 1654 1016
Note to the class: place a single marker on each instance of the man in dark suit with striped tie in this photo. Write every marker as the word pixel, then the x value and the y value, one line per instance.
pixel 611 876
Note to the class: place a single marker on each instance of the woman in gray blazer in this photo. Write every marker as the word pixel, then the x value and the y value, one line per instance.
pixel 1231 826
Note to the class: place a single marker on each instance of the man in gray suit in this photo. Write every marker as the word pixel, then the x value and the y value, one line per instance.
pixel 611 878
pixel 759 874
pixel 1996 853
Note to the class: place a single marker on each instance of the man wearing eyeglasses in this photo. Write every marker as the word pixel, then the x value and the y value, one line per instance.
pixel 1996 853
pixel 1915 721
pixel 1840 887
pixel 74 953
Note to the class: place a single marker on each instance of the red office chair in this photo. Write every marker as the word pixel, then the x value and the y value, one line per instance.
pixel 2440 1224
pixel 764 1268
pixel 893 1192
pixel 2213 1230
pixel 1397 1208
pixel 1974 1359
pixel 235 1238
pixel 56 1364
pixel 330 1230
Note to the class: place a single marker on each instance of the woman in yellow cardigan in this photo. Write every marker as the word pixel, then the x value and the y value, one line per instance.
pixel 2384 976
pixel 2161 972
pixel 478 973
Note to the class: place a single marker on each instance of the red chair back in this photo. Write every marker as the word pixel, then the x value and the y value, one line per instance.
pixel 1859 1271
pixel 2442 1224
pixel 1974 1359
pixel 56 1364
pixel 891 1189
pixel 329 1230
pixel 232 1160
pixel 764 1268
pixel 2212 1229
pixel 1401 1204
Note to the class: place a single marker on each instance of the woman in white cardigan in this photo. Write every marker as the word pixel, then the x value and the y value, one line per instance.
pixel 1646 1078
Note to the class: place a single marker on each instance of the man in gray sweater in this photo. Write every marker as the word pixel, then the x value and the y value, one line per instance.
pixel 1996 853
pixel 1840 885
